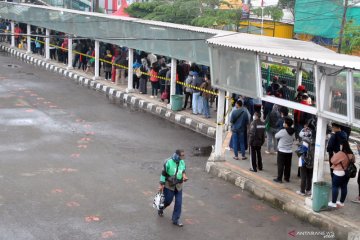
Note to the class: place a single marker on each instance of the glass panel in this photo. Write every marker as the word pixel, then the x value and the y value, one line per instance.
pixel 356 85
pixel 286 79
pixel 337 97
pixel 234 71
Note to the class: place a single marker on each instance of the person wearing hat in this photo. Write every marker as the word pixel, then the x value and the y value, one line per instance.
pixel 301 89
pixel 337 138
pixel 171 184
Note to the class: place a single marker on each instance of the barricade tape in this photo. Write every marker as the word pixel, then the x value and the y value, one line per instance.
pixel 125 67
pixel 159 77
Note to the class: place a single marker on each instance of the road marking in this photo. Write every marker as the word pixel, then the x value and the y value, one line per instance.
pixel 92 219
pixel 191 221
pixel 90 133
pixel 147 193
pixel 237 196
pixel 258 207
pixel 57 190
pixel 107 234
pixel 73 204
pixel 68 170
pixel 75 155
pixel 274 218
pixel 82 146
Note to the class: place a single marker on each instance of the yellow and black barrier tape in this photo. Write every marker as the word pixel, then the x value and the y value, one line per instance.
pixel 159 77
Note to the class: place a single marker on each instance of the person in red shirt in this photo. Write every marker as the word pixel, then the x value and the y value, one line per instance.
pixel 17 31
pixel 300 118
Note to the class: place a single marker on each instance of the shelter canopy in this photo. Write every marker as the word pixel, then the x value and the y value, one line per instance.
pixel 286 48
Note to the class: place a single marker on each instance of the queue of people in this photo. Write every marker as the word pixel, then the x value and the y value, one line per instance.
pixel 249 130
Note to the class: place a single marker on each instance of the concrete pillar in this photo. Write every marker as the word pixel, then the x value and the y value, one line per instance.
pixel 28 38
pixel 220 126
pixel 12 25
pixel 130 71
pixel 320 148
pixel 172 79
pixel 70 53
pixel 47 44
pixel 97 62
pixel 350 96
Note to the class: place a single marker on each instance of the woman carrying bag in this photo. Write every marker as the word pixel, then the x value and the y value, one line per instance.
pixel 341 161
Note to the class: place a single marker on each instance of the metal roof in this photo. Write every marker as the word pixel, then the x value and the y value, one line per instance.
pixel 173 40
pixel 287 48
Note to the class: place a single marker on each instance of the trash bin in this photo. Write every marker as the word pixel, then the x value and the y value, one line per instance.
pixel 176 102
pixel 321 194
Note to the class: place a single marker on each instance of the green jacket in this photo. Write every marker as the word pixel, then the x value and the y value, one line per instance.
pixel 168 177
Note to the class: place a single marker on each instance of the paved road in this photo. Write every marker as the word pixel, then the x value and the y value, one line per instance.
pixel 75 166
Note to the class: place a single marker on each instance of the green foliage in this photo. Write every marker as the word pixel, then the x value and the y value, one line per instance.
pixel 141 10
pixel 274 12
pixel 212 18
pixel 287 4
pixel 204 13
pixel 351 39
pixel 281 70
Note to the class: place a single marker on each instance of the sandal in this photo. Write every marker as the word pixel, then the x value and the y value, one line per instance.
pixel 235 158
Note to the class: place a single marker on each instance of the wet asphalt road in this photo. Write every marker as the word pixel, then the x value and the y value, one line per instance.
pixel 75 166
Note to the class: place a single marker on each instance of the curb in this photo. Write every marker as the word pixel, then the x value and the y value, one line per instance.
pixel 120 97
pixel 329 223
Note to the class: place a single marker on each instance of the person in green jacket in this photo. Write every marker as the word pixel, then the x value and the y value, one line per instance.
pixel 171 181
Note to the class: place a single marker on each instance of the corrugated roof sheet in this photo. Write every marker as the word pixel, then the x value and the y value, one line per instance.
pixel 286 48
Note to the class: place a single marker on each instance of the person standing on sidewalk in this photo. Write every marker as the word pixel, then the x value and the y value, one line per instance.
pixel 340 162
pixel 285 142
pixel 188 90
pixel 206 96
pixel 171 184
pixel 271 129
pixel 335 140
pixel 239 120
pixel 196 82
pixel 306 160
pixel 256 140
pixel 357 200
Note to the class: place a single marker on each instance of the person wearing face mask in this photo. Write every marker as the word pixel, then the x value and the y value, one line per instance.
pixel 171 181
pixel 256 140
pixel 285 139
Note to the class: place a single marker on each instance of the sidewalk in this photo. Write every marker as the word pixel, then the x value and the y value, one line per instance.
pixel 341 221
pixel 344 222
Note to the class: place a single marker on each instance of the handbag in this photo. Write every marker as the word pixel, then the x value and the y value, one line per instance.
pixel 158 202
pixel 351 170
pixel 164 95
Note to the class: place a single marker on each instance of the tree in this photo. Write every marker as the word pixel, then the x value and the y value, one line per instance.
pixel 204 13
pixel 274 12
pixel 288 4
pixel 351 38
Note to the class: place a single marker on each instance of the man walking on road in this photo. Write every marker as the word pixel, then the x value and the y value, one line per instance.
pixel 171 181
